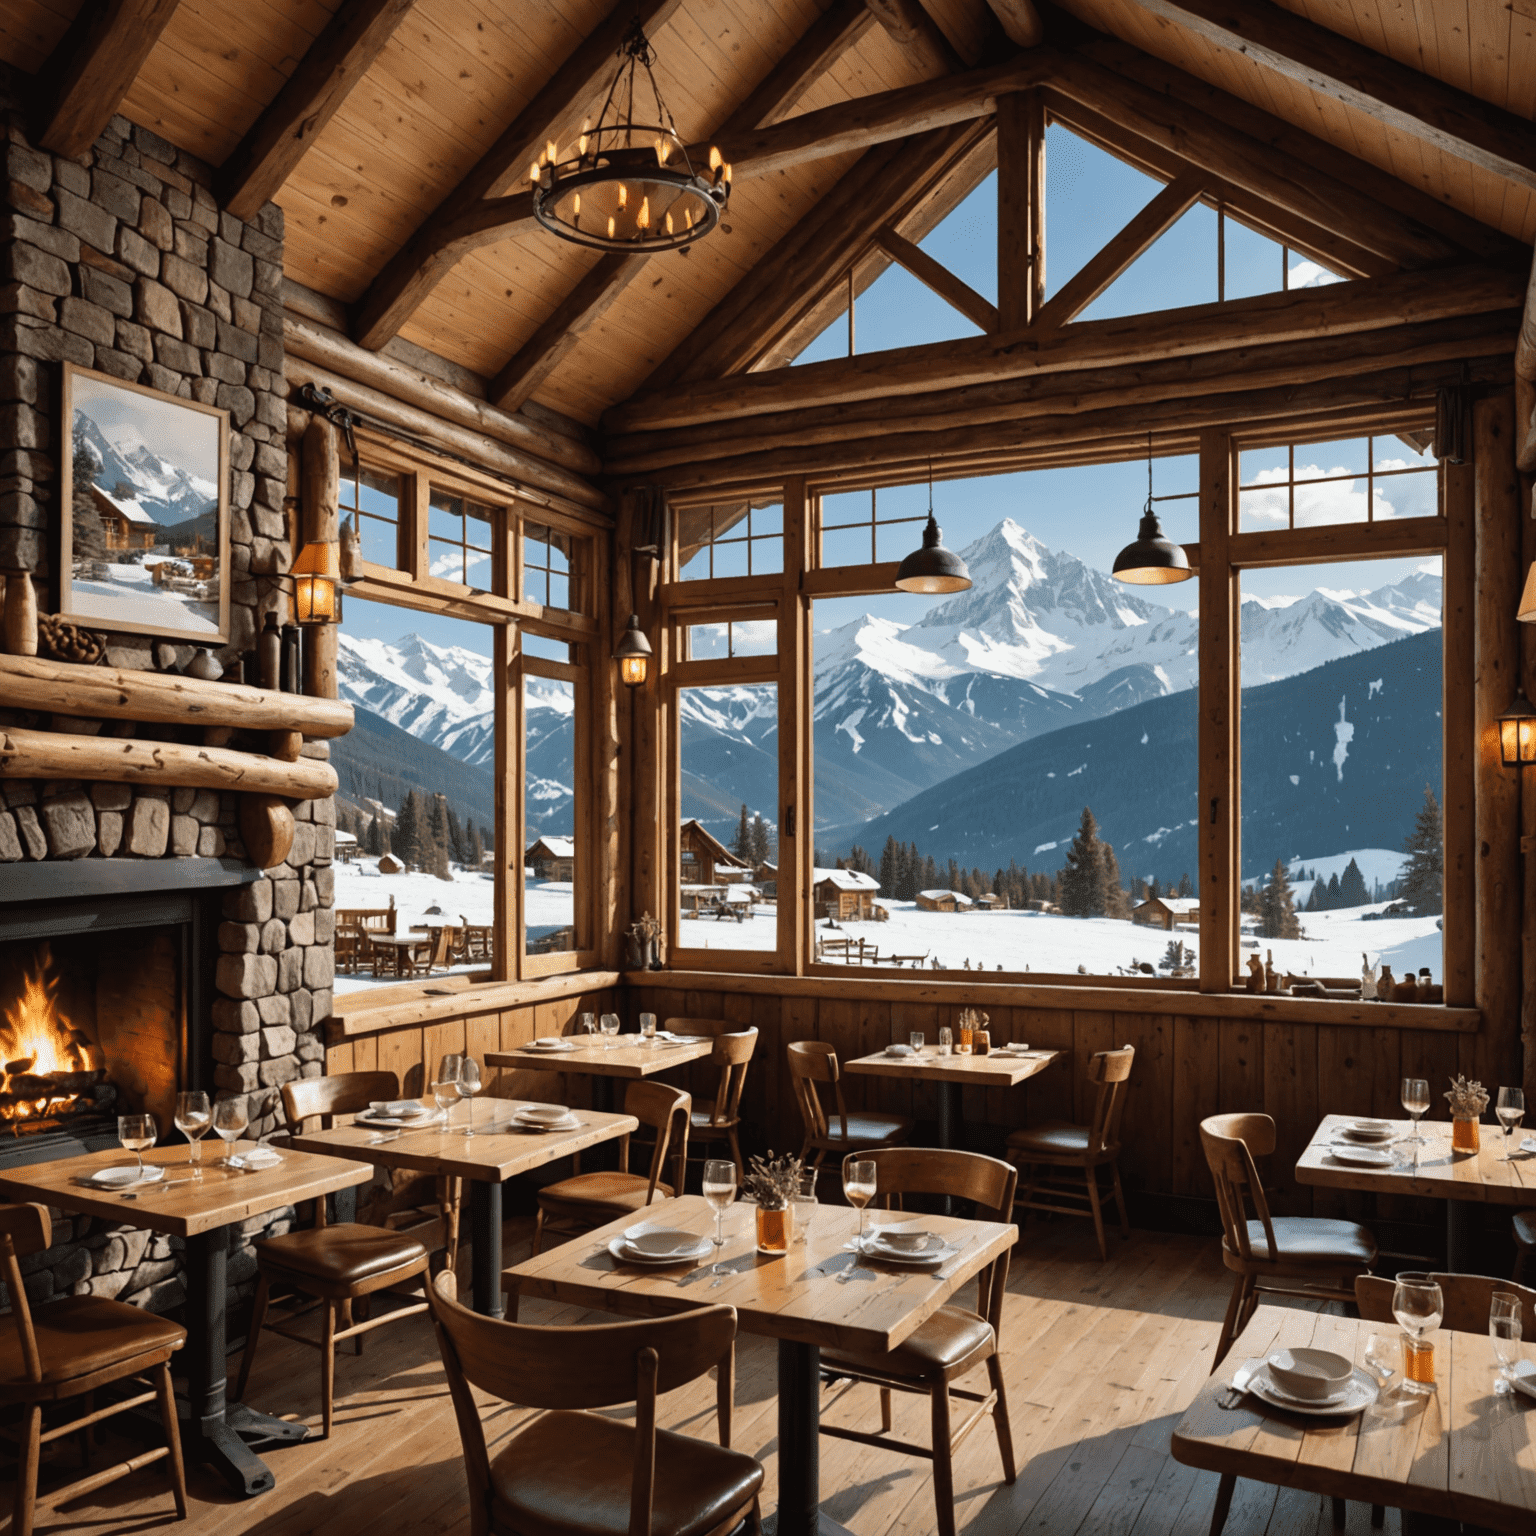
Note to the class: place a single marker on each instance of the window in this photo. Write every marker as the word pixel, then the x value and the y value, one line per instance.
pixel 551 863
pixel 742 539
pixel 733 637
pixel 870 527
pixel 373 498
pixel 546 566
pixel 459 539
pixel 1350 480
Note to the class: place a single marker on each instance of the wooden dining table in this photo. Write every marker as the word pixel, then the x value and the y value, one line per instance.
pixel 819 1294
pixel 498 1151
pixel 1463 1180
pixel 606 1059
pixel 200 1213
pixel 1462 1452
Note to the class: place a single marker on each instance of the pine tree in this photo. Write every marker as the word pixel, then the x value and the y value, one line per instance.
pixel 889 859
pixel 87 531
pixel 929 879
pixel 457 847
pixel 908 872
pixel 741 844
pixel 1277 906
pixel 374 840
pixel 1186 886
pixel 1082 876
pixel 760 848
pixel 436 855
pixel 1423 881
pixel 407 838
pixel 1155 889
pixel 1352 891
pixel 1116 902
pixel 859 861
pixel 1332 900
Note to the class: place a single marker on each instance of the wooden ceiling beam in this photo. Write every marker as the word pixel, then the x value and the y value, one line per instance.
pixel 422 262
pixel 334 63
pixel 1363 305
pixel 934 275
pixel 1020 21
pixel 817 49
pixel 912 28
pixel 1405 99
pixel 97 60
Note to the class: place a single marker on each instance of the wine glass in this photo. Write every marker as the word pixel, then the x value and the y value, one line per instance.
pixel 1511 1111
pixel 1504 1330
pixel 804 1202
pixel 137 1132
pixel 469 1085
pixel 859 1187
pixel 917 1040
pixel 230 1119
pixel 587 1024
pixel 1418 1306
pixel 194 1119
pixel 445 1091
pixel 719 1191
pixel 648 1028
pixel 609 1023
pixel 1415 1096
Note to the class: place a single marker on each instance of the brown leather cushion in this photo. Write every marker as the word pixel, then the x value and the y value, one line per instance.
pixel 1525 1228
pixel 347 1253
pixel 1056 1138
pixel 618 1192
pixel 1314 1240
pixel 83 1334
pixel 948 1339
pixel 571 1473
pixel 867 1130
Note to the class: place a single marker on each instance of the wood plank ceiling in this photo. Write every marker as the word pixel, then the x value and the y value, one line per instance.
pixel 455 73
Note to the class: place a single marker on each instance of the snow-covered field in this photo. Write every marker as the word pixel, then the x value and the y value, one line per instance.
pixel 131 597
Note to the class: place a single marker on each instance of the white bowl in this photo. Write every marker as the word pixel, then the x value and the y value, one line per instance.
pixel 905 1239
pixel 1371 1127
pixel 899 1050
pixel 398 1109
pixel 544 1114
pixel 1310 1374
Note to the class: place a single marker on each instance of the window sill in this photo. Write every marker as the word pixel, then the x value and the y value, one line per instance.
pixel 450 997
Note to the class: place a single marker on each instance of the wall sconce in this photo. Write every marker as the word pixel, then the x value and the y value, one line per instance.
pixel 633 654
pixel 315 574
pixel 1517 732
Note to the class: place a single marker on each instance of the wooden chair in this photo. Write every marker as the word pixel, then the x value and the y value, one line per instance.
pixel 349 945
pixel 587 1200
pixel 477 939
pixel 732 1054
pixel 432 954
pixel 1467 1301
pixel 71 1348
pixel 812 1062
pixel 1523 1224
pixel 955 1340
pixel 336 1264
pixel 1058 1144
pixel 1280 1255
pixel 583 1473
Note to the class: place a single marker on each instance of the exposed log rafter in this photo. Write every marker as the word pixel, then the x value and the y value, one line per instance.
pixel 910 26
pixel 934 275
pixel 335 62
pixel 1020 21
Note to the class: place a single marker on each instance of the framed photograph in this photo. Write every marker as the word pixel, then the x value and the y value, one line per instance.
pixel 144 546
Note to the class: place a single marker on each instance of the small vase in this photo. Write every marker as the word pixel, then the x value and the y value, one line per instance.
pixel 775 1230
pixel 1465 1135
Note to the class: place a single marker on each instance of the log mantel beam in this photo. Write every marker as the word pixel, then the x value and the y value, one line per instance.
pixel 1405 99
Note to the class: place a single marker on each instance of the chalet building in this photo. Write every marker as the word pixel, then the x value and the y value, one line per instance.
pixel 358 274
pixel 990 901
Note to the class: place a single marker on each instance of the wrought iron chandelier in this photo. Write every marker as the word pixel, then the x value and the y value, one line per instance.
pixel 630 185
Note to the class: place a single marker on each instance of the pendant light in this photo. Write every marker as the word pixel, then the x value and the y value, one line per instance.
pixel 932 568
pixel 1154 559
pixel 633 654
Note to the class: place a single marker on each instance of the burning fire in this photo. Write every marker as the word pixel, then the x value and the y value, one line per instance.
pixel 40 1051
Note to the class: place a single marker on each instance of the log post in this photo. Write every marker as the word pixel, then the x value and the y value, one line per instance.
pixel 1459 778
pixel 1526 514
pixel 320 524
pixel 1020 208
pixel 796 849
pixel 1492 1055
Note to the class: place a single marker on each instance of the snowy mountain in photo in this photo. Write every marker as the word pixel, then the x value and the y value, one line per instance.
pixel 121 457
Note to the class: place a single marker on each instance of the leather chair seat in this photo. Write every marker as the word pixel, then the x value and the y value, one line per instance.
pixel 1051 1138
pixel 1313 1240
pixel 950 1341
pixel 867 1130
pixel 614 1191
pixel 1525 1228
pixel 346 1253
pixel 81 1335
pixel 704 1120
pixel 571 1473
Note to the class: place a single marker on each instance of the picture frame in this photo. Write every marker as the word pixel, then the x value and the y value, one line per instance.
pixel 144 511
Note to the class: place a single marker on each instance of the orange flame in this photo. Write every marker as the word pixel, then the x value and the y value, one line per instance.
pixel 37 1033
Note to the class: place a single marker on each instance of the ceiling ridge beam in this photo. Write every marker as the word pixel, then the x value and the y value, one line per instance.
pixel 1406 99
pixel 955 291
pixel 913 30
pixel 1020 21
pixel 1361 305
pixel 1143 230
pixel 86 77
pixel 332 66
pixel 410 274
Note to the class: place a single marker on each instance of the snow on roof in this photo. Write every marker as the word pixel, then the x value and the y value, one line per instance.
pixel 126 505
pixel 345 839
pixel 556 847
pixel 846 879
pixel 937 895
pixel 1178 905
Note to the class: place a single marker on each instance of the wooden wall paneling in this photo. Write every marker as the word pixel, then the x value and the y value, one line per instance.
pixel 554 1018
pixel 767 1086
pixel 365 1053
pixel 1492 1055
pixel 437 1041
pixel 1459 770
pixel 1291 1100
pixel 1091 1031
pixel 339 1059
pixel 1051 1094
pixel 1196 1093
pixel 482 1033
pixel 905 1019
pixel 1527 499
pixel 839 1022
pixel 401 1051
pixel 1240 1064
pixel 1147 1162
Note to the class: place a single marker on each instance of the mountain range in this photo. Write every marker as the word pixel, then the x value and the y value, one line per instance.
pixel 166 491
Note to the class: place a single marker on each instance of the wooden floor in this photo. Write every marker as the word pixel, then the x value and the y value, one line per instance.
pixel 1101 1360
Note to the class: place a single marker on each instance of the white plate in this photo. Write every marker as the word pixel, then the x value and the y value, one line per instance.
pixel 119 1177
pixel 396 1122
pixel 662 1242
pixel 253 1162
pixel 543 1114
pixel 1359 1395
pixel 1524 1377
pixel 570 1123
pixel 1372 1138
pixel 548 1045
pixel 621 1250
pixel 932 1242
pixel 875 1249
pixel 1361 1156
pixel 400 1109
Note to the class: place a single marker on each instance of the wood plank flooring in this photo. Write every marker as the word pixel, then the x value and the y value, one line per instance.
pixel 1101 1360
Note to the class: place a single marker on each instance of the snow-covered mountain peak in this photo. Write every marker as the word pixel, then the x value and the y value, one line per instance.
pixel 457 679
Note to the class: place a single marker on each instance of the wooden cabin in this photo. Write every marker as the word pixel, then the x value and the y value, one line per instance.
pixel 1041 446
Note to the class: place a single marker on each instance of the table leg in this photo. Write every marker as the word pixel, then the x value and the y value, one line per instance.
pixel 949 1123
pixel 485 1240
pixel 1460 1217
pixel 799 1512
pixel 602 1093
pixel 218 1430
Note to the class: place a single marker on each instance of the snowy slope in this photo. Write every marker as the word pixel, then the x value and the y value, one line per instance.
pixel 121 457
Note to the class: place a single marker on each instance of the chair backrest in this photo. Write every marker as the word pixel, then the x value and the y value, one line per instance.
pixel 442 942
pixel 812 1062
pixel 733 1055
pixel 988 1181
pixel 1111 1071
pixel 1231 1143
pixel 343 1094
pixel 600 1366
pixel 24 1229
pixel 1467 1300
pixel 666 1110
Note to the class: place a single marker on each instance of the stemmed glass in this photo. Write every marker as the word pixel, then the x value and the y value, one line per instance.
pixel 231 1117
pixel 1383 1356
pixel 1415 1095
pixel 137 1132
pixel 804 1202
pixel 588 1024
pixel 609 1023
pixel 1418 1306
pixel 1511 1111
pixel 1504 1330
pixel 445 1086
pixel 193 1120
pixel 719 1191
pixel 469 1085
pixel 859 1186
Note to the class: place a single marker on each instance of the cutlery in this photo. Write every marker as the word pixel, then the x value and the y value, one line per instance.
pixel 133 1194
pixel 1238 1386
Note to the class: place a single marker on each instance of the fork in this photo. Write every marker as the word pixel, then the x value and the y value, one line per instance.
pixel 1237 1388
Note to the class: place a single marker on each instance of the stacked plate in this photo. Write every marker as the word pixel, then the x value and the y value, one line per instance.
pixel 1365 1143
pixel 908 1245
pixel 644 1243
pixel 899 1050
pixel 1350 1392
pixel 551 1043
pixel 121 1177
pixel 400 1114
pixel 257 1159
pixel 544 1117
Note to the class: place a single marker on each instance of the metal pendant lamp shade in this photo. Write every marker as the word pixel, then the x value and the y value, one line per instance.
pixel 1153 559
pixel 933 568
